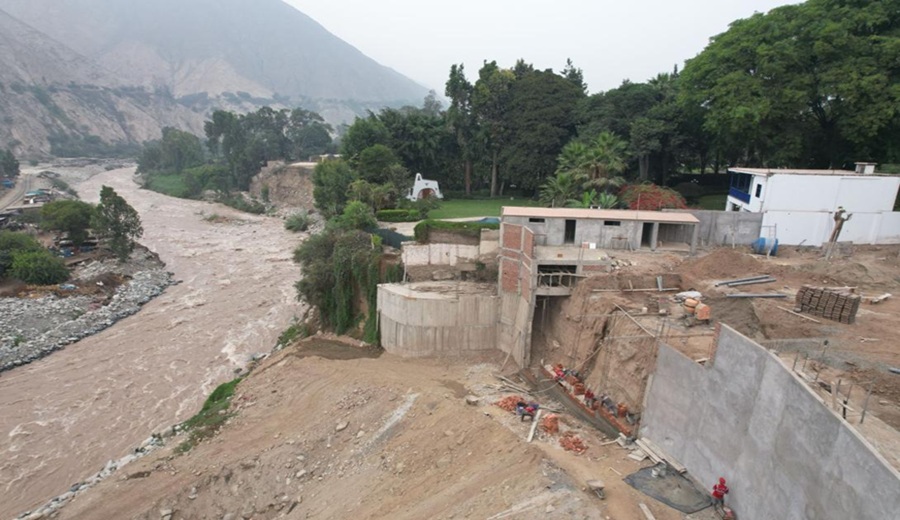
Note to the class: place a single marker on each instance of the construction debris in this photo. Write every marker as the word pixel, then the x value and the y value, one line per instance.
pixel 571 442
pixel 646 510
pixel 509 402
pixel 745 281
pixel 550 423
pixel 834 304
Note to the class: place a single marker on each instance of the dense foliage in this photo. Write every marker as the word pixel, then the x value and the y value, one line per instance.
pixel 117 221
pixel 650 197
pixel 12 243
pixel 341 270
pixel 237 147
pixel 38 268
pixel 72 217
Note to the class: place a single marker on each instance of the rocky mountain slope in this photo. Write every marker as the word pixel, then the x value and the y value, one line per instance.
pixel 83 75
pixel 53 98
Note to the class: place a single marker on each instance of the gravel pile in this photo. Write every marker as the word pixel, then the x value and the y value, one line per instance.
pixel 33 328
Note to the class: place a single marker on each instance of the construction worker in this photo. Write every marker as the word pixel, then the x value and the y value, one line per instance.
pixel 718 493
pixel 530 410
pixel 589 398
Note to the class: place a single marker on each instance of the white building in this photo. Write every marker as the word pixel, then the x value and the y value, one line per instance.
pixel 424 189
pixel 798 206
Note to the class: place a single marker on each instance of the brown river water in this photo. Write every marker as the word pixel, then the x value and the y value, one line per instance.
pixel 63 417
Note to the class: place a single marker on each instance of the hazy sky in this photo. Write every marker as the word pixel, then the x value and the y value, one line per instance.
pixel 609 40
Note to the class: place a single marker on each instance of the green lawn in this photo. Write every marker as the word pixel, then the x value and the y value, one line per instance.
pixel 715 201
pixel 462 208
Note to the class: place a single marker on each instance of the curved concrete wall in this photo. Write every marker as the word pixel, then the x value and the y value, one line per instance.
pixel 419 324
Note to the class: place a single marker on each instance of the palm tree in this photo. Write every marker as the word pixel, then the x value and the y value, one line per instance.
pixel 557 190
pixel 598 164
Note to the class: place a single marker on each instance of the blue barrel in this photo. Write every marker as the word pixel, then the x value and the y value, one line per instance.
pixel 762 246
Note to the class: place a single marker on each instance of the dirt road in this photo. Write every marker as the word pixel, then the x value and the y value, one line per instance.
pixel 12 197
pixel 63 417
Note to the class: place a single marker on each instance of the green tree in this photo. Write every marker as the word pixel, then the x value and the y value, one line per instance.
pixel 9 166
pixel 363 133
pixel 813 84
pixel 38 268
pixel 116 220
pixel 72 217
pixel 12 243
pixel 357 215
pixel 490 102
pixel 176 151
pixel 539 121
pixel 558 189
pixel 308 133
pixel 598 164
pixel 331 186
pixel 375 162
pixel 461 120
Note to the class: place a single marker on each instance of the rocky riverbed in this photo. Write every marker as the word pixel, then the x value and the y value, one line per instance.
pixel 41 321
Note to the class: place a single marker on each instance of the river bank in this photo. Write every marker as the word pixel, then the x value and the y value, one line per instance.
pixel 35 325
pixel 65 415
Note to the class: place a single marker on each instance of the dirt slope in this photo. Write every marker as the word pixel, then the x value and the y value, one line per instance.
pixel 410 447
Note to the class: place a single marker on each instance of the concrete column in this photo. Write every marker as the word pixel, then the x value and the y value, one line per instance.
pixel 695 236
pixel 654 236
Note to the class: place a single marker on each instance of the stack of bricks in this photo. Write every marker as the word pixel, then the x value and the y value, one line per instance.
pixel 834 304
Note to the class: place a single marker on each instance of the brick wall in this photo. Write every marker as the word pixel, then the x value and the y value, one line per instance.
pixel 528 246
pixel 511 237
pixel 509 275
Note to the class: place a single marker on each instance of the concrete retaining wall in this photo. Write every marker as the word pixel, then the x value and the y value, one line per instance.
pixel 438 254
pixel 720 228
pixel 747 418
pixel 418 324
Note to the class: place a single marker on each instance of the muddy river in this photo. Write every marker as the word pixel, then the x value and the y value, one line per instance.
pixel 63 417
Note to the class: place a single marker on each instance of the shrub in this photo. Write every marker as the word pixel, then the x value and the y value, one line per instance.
pixel 12 243
pixel 297 222
pixel 398 215
pixel 38 268
pixel 650 197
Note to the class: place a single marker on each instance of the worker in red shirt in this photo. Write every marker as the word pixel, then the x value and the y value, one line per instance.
pixel 589 398
pixel 718 493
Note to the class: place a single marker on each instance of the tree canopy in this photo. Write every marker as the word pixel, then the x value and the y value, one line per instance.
pixel 72 217
pixel 116 220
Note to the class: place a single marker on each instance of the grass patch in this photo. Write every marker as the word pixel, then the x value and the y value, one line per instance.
pixel 210 418
pixel 464 208
pixel 293 333
pixel 171 185
pixel 715 201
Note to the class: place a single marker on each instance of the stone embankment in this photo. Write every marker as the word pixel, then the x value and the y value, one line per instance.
pixel 31 328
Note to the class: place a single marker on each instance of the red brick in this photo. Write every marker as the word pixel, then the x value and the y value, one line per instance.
pixel 511 237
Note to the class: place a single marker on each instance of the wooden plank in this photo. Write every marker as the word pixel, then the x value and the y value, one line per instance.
pixel 534 423
pixel 646 510
pixel 664 456
pixel 642 443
